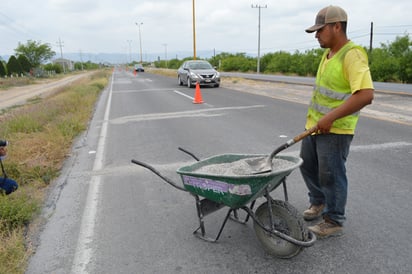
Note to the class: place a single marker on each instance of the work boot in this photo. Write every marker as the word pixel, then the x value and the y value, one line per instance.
pixel 313 212
pixel 326 229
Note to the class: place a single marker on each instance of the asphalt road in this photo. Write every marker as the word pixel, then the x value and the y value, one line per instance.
pixel 379 86
pixel 106 215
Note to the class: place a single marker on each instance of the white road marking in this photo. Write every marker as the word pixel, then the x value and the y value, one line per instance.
pixel 185 95
pixel 382 146
pixel 210 112
pixel 190 97
pixel 83 253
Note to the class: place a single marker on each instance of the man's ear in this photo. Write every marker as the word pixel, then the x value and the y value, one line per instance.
pixel 338 26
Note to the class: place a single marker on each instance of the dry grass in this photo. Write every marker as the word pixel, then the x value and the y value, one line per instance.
pixel 41 135
pixel 12 247
pixel 164 72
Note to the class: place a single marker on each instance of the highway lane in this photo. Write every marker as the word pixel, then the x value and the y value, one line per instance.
pixel 106 215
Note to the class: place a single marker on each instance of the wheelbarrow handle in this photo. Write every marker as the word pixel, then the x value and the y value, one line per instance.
pixel 155 171
pixel 189 153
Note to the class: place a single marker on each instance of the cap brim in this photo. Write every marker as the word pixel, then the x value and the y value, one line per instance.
pixel 315 28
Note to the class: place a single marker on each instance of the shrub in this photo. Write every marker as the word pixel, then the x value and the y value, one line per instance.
pixel 3 71
pixel 13 66
pixel 24 62
pixel 15 212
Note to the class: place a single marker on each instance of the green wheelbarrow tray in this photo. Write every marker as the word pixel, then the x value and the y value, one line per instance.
pixel 277 224
pixel 234 191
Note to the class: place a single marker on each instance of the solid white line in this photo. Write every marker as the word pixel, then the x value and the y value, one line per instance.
pixel 185 95
pixel 382 146
pixel 83 252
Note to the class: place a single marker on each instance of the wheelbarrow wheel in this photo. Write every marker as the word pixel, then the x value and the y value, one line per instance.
pixel 286 220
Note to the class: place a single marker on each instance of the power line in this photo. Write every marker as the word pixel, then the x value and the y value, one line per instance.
pixel 398 26
pixel 390 33
pixel 13 25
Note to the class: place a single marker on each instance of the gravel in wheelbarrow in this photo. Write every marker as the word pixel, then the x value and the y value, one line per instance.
pixel 227 179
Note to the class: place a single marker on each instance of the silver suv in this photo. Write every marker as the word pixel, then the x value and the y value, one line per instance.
pixel 191 72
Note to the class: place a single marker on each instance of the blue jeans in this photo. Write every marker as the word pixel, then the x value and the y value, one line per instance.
pixel 324 172
pixel 7 185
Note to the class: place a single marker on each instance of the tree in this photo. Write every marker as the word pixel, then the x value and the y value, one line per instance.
pixel 3 71
pixel 36 52
pixel 405 64
pixel 401 49
pixel 238 62
pixel 392 61
pixel 384 66
pixel 24 62
pixel 57 68
pixel 13 66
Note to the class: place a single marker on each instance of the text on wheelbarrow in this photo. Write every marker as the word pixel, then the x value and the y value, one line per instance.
pixel 217 186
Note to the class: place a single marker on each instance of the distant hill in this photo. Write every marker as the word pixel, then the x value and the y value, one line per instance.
pixel 119 58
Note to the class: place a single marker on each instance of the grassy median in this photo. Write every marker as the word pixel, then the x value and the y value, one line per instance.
pixel 40 136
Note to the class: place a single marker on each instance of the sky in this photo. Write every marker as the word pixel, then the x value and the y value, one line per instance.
pixel 85 27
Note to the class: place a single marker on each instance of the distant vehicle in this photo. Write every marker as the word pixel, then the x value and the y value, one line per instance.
pixel 138 68
pixel 193 71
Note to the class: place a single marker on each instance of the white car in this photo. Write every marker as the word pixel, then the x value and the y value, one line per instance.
pixel 138 68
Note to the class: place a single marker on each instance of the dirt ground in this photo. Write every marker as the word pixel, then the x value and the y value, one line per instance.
pixel 20 95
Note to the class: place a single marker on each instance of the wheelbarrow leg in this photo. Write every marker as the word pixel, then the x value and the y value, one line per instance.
pixel 202 234
pixel 236 218
pixel 205 207
pixel 285 190
pixel 200 216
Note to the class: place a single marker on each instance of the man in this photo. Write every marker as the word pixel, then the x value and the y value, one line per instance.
pixel 343 87
pixel 6 185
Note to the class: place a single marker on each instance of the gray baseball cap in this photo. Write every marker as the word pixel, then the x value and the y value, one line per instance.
pixel 330 14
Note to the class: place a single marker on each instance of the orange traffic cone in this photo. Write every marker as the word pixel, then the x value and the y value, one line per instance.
pixel 198 95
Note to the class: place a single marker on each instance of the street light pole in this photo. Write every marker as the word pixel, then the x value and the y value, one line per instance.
pixel 258 57
pixel 194 30
pixel 140 41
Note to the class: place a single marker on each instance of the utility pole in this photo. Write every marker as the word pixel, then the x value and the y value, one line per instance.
pixel 165 45
pixel 60 44
pixel 258 57
pixel 140 41
pixel 371 38
pixel 194 29
pixel 81 59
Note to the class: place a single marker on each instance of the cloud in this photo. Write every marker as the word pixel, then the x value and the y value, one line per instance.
pixel 230 25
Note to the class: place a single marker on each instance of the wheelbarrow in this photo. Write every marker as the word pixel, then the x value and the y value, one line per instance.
pixel 278 226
